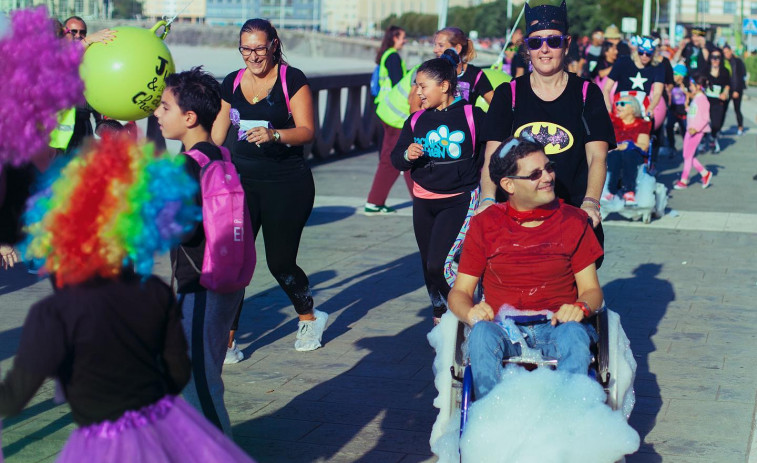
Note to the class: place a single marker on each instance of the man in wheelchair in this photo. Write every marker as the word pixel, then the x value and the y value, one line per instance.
pixel 532 253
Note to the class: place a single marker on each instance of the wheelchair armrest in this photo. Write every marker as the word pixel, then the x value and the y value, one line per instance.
pixel 603 347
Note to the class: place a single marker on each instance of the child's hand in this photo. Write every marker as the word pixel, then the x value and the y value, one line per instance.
pixel 692 130
pixel 414 151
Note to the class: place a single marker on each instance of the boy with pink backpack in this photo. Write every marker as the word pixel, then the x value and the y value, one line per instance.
pixel 215 263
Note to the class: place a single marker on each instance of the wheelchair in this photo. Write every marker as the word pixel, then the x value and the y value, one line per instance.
pixel 651 196
pixel 612 365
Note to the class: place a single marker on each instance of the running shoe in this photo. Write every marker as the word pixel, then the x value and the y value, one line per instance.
pixel 706 179
pixel 630 198
pixel 373 209
pixel 608 197
pixel 679 185
pixel 717 147
pixel 740 131
pixel 233 354
pixel 309 333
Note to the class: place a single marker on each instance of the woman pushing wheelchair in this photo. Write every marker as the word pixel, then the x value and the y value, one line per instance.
pixel 535 254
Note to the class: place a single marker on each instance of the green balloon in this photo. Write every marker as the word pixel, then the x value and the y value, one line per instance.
pixel 496 78
pixel 124 79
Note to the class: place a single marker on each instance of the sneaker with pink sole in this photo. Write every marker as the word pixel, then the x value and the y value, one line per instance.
pixel 679 185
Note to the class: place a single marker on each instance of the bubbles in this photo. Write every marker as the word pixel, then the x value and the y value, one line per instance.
pixel 545 415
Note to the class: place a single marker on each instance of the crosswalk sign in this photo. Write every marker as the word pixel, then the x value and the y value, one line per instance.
pixel 749 27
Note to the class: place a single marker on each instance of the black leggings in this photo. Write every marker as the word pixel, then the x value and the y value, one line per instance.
pixel 737 110
pixel 282 208
pixel 438 224
pixel 717 114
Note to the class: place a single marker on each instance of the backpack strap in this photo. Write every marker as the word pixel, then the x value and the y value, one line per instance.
pixel 199 156
pixel 415 117
pixel 478 77
pixel 585 90
pixel 225 154
pixel 238 79
pixel 283 74
pixel 471 124
pixel 512 90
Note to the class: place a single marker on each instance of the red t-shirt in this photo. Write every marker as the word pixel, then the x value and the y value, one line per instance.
pixel 629 132
pixel 529 268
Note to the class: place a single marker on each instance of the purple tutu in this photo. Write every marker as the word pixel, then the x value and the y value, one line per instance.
pixel 170 430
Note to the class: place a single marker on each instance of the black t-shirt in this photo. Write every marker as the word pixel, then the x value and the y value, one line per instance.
pixel 449 163
pixel 467 87
pixel 115 345
pixel 187 278
pixel 717 84
pixel 592 59
pixel 630 77
pixel 270 161
pixel 393 65
pixel 694 58
pixel 519 62
pixel 15 188
pixel 556 124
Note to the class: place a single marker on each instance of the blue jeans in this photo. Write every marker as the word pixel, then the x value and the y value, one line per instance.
pixel 488 345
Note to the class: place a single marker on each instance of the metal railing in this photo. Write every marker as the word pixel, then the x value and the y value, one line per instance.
pixel 342 125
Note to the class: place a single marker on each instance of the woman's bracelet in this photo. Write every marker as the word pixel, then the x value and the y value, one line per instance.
pixel 489 199
pixel 405 156
pixel 584 308
pixel 589 199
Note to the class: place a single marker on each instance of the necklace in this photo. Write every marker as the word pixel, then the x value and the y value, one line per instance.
pixel 257 96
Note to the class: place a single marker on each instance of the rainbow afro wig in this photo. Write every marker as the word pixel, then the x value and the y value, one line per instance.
pixel 114 205
pixel 40 76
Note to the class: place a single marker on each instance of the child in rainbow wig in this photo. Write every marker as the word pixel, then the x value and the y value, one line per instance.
pixel 188 107
pixel 111 333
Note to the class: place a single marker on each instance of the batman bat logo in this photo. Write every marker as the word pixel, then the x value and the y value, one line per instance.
pixel 554 137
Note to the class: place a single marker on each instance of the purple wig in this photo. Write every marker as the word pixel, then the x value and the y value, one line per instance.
pixel 40 76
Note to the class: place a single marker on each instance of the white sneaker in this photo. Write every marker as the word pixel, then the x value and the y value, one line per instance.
pixel 309 333
pixel 233 354
pixel 717 146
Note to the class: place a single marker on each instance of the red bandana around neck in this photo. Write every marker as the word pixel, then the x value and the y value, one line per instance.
pixel 540 213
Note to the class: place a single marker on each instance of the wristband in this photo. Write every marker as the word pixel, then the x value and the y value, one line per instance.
pixel 488 199
pixel 584 308
pixel 405 156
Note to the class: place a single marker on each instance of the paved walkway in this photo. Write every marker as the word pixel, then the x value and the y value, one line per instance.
pixel 685 287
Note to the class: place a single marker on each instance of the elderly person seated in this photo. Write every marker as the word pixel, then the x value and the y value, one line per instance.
pixel 632 134
pixel 535 254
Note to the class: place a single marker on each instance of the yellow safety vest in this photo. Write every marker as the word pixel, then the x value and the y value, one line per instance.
pixel 394 108
pixel 61 135
pixel 385 83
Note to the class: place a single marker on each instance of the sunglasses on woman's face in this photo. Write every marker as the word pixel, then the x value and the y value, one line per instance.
pixel 716 57
pixel 535 175
pixel 553 41
pixel 646 53
pixel 622 104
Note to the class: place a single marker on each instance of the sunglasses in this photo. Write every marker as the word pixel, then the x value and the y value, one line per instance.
pixel 535 175
pixel 511 49
pixel 622 104
pixel 716 57
pixel 81 32
pixel 259 51
pixel 646 53
pixel 553 41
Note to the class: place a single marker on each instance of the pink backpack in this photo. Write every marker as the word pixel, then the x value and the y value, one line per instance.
pixel 229 259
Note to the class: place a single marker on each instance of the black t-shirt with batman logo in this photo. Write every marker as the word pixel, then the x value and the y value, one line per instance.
pixel 557 124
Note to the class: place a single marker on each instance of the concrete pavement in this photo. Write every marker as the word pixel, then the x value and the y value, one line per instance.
pixel 685 287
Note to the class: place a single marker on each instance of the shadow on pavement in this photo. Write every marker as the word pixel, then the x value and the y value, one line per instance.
pixel 387 396
pixel 35 437
pixel 16 278
pixel 641 302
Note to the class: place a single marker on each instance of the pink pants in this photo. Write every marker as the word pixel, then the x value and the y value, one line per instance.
pixel 690 143
pixel 386 174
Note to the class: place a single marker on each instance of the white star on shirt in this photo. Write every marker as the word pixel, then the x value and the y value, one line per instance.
pixel 638 81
